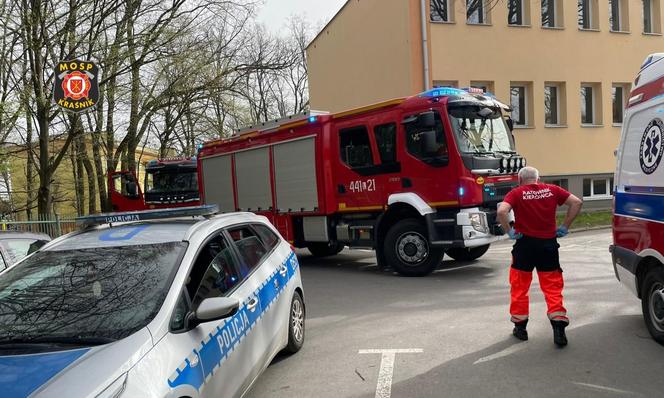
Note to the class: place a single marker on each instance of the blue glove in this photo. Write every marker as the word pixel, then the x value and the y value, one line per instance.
pixel 514 235
pixel 561 231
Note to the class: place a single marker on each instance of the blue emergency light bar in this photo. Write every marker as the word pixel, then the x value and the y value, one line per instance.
pixel 144 215
pixel 452 91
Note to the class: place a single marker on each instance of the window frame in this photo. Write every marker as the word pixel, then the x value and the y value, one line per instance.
pixel 522 17
pixel 557 122
pixel 593 105
pixel 593 196
pixel 448 9
pixel 623 98
pixel 552 7
pixel 591 14
pixel 482 13
pixel 526 109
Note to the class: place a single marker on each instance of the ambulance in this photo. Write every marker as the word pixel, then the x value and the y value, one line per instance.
pixel 638 222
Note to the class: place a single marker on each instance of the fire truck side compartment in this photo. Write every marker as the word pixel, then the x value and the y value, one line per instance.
pixel 316 229
pixel 295 175
pixel 252 172
pixel 219 189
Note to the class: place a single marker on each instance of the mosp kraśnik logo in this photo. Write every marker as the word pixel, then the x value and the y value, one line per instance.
pixel 652 147
pixel 76 85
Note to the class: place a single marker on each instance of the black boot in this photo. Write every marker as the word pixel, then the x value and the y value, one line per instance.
pixel 559 337
pixel 520 331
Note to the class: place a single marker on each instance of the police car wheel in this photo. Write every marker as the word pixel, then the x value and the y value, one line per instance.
pixel 296 320
pixel 324 249
pixel 467 254
pixel 407 250
pixel 652 301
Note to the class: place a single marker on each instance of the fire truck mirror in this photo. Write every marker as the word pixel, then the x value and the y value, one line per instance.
pixel 510 123
pixel 429 144
pixel 427 120
pixel 132 190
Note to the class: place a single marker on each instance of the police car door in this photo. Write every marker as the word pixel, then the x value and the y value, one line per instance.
pixel 222 355
pixel 260 261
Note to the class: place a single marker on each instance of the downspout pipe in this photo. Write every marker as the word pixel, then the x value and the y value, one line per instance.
pixel 425 44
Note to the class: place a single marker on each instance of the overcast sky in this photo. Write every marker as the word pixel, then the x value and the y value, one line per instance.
pixel 275 13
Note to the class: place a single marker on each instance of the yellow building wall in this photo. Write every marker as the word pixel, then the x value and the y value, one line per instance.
pixel 504 54
pixel 369 52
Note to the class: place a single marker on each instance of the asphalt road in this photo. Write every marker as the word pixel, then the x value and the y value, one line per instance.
pixel 458 318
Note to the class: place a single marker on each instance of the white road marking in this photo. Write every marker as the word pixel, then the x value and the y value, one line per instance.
pixel 384 386
pixel 602 388
pixel 507 351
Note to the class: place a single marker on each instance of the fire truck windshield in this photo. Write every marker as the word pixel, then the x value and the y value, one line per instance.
pixel 480 130
pixel 162 181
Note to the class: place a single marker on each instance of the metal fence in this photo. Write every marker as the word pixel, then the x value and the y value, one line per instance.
pixel 53 225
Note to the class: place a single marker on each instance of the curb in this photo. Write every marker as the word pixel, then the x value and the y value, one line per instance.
pixel 597 228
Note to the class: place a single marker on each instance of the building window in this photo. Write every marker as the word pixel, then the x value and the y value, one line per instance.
pixel 587 12
pixel 477 12
pixel 561 182
pixel 651 16
pixel 486 86
pixel 518 12
pixel 551 105
pixel 446 83
pixel 591 105
pixel 619 93
pixel 552 13
pixel 440 11
pixel 619 15
pixel 597 188
pixel 521 102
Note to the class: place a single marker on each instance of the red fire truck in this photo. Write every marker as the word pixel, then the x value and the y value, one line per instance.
pixel 168 183
pixel 412 178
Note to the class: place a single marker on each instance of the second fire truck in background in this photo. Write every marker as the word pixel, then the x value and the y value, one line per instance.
pixel 168 183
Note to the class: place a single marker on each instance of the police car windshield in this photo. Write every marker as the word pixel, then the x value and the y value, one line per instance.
pixel 162 181
pixel 94 294
pixel 478 131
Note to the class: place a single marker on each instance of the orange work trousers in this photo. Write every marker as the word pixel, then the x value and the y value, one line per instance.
pixel 551 283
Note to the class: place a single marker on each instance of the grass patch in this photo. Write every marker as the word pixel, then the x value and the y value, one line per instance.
pixel 590 219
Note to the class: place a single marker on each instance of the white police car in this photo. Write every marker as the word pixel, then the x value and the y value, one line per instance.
pixel 183 307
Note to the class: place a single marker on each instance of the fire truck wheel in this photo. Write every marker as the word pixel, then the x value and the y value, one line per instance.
pixel 652 302
pixel 467 254
pixel 324 249
pixel 407 249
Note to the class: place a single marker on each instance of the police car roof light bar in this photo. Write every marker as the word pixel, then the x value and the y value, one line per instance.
pixel 144 215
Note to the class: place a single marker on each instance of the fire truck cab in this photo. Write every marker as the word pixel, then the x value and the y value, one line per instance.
pixel 413 178
pixel 168 183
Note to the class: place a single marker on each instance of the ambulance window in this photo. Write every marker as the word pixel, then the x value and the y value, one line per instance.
pixel 355 147
pixel 215 272
pixel 386 139
pixel 249 246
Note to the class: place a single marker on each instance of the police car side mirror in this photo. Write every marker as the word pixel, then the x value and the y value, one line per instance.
pixel 212 309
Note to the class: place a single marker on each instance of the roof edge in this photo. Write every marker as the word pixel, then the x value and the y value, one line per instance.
pixel 327 25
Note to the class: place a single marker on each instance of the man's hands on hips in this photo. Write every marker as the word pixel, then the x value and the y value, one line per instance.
pixel 514 235
pixel 561 231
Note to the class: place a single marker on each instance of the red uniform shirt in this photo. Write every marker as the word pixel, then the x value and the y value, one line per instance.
pixel 535 207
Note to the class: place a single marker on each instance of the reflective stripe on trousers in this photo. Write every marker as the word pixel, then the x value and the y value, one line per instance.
pixel 551 284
